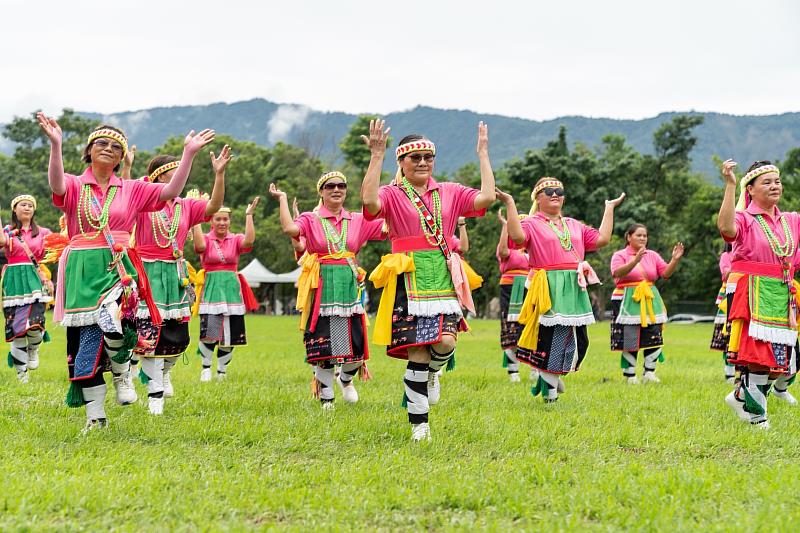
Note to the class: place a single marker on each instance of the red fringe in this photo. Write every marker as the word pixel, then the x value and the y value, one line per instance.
pixel 315 392
pixel 363 372
pixel 250 302
pixel 144 286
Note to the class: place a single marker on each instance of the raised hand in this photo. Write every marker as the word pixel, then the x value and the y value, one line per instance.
pixel 50 128
pixel 219 163
pixel 483 139
pixel 616 201
pixel 295 210
pixel 130 156
pixel 252 206
pixel 500 216
pixel 727 171
pixel 639 254
pixel 377 137
pixel 195 143
pixel 677 251
pixel 503 197
pixel 275 192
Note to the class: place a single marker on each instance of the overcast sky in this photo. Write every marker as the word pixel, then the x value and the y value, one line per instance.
pixel 527 58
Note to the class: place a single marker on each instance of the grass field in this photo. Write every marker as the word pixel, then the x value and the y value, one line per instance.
pixel 257 452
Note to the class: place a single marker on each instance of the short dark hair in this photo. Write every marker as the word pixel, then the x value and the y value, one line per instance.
pixel 632 229
pixel 87 150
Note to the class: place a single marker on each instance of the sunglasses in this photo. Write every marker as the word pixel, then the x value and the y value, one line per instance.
pixel 332 186
pixel 550 191
pixel 105 143
pixel 416 158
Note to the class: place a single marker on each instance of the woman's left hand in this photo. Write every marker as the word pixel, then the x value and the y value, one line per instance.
pixel 194 143
pixel 677 251
pixel 219 163
pixel 616 201
pixel 483 139
pixel 252 206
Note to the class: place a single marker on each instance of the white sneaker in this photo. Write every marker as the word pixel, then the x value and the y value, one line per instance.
pixel 221 376
pixel 434 389
pixel 126 394
pixel 561 387
pixel 786 396
pixel 33 360
pixel 762 425
pixel 534 375
pixel 169 392
pixel 650 377
pixel 22 377
pixel 737 406
pixel 327 406
pixel 156 406
pixel 205 375
pixel 420 432
pixel 632 380
pixel 513 377
pixel 92 425
pixel 349 392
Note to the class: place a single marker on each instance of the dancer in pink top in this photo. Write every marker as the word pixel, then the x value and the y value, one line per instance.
pixel 719 339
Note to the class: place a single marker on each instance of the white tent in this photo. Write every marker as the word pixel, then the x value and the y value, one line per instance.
pixel 255 273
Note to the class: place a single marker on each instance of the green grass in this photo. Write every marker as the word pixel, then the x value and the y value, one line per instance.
pixel 257 452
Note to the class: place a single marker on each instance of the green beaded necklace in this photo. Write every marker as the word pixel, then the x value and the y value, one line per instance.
pixel 433 237
pixel 97 223
pixel 337 244
pixel 563 237
pixel 160 228
pixel 781 250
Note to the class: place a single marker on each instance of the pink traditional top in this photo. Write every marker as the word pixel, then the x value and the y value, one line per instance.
pixel 516 260
pixel 725 264
pixel 650 268
pixel 131 198
pixel 403 220
pixel 750 243
pixel 15 252
pixel 223 254
pixel 150 246
pixel 543 247
pixel 359 229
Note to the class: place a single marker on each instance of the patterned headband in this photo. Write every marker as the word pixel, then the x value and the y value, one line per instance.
pixel 329 176
pixel 110 134
pixel 23 198
pixel 756 172
pixel 163 169
pixel 224 210
pixel 415 146
pixel 548 182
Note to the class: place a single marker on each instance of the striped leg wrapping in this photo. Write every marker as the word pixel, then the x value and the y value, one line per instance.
pixel 349 370
pixel 324 378
pixel 416 390
pixel 628 364
pixel 512 363
pixel 224 356
pixel 153 368
pixel 19 354
pixel 206 351
pixel 755 387
pixel 651 357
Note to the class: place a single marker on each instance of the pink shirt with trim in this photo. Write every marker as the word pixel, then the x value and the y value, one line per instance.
pixel 750 243
pixel 193 212
pixel 725 264
pixel 402 217
pixel 650 268
pixel 545 249
pixel 17 252
pixel 359 229
pixel 131 198
pixel 516 260
pixel 231 247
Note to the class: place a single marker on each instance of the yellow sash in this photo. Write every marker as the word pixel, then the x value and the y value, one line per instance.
pixel 385 275
pixel 198 279
pixel 473 278
pixel 643 295
pixel 309 282
pixel 537 302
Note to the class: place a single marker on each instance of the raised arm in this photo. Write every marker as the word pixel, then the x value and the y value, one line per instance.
pixel 625 269
pixel 726 222
pixel 512 226
pixel 55 169
pixel 127 163
pixel 677 253
pixel 462 234
pixel 372 180
pixel 607 225
pixel 287 223
pixel 487 195
pixel 218 192
pixel 502 246
pixel 191 145
pixel 249 226
pixel 197 238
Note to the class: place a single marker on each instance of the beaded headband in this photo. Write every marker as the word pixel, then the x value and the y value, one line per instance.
pixel 110 134
pixel 23 198
pixel 224 210
pixel 329 176
pixel 415 146
pixel 163 169
pixel 548 182
pixel 744 196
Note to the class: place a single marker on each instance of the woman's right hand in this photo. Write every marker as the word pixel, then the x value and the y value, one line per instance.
pixel 378 137
pixel 503 196
pixel 500 216
pixel 295 210
pixel 727 171
pixel 195 143
pixel 639 254
pixel 50 128
pixel 276 192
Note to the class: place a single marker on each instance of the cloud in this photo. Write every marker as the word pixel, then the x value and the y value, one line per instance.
pixel 284 120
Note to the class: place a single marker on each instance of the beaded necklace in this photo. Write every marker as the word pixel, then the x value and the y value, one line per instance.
pixel 219 251
pixel 85 201
pixel 564 237
pixel 165 228
pixel 431 228
pixel 337 244
pixel 781 250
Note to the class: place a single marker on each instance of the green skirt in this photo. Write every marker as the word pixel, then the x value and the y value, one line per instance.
pixel 339 295
pixel 88 284
pixel 429 288
pixel 222 294
pixel 570 302
pixel 630 310
pixel 22 285
pixel 169 295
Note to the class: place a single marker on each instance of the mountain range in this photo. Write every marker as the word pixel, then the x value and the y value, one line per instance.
pixel 745 138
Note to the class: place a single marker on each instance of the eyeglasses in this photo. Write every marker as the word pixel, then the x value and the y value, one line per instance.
pixel 332 186
pixel 416 158
pixel 550 191
pixel 105 143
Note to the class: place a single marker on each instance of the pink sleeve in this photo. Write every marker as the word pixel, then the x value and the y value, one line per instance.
pixel 725 264
pixel 145 196
pixel 618 260
pixel 741 229
pixel 661 265
pixel 197 211
pixel 44 232
pixel 527 229
pixel 204 255
pixel 239 244
pixel 385 197
pixel 304 223
pixel 590 238
pixel 465 201
pixel 372 230
pixel 67 201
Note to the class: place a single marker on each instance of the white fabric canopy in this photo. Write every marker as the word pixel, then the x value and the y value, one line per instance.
pixel 255 273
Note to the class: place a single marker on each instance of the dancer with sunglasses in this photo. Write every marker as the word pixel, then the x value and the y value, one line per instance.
pixel 556 309
pixel 26 285
pixel 762 298
pixel 330 288
pixel 223 296
pixel 101 280
pixel 160 238
pixel 638 311
pixel 424 283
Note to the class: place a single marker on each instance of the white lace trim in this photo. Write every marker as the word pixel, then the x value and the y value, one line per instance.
pixel 25 300
pixel 564 320
pixel 512 317
pixel 172 314
pixel 222 309
pixel 340 310
pixel 774 335
pixel 87 318
pixel 661 318
pixel 720 319
pixel 451 306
